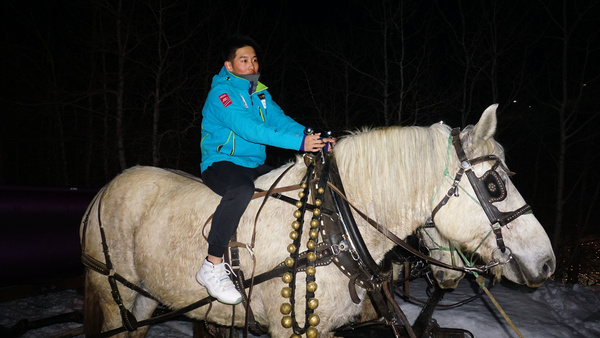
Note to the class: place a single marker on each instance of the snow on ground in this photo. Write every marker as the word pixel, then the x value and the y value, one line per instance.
pixel 553 310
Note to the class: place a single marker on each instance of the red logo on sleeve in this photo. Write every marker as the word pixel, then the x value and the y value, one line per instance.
pixel 225 100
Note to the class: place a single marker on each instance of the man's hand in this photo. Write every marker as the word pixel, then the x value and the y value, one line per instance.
pixel 314 142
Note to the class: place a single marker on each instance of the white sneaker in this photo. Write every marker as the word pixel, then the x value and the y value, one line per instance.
pixel 215 278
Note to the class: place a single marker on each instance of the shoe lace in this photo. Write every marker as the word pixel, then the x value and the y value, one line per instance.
pixel 224 272
pixel 229 269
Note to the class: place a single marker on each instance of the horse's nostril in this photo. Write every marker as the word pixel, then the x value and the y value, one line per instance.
pixel 439 275
pixel 548 268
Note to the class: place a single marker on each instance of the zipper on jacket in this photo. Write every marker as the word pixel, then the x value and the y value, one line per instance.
pixel 202 141
pixel 231 137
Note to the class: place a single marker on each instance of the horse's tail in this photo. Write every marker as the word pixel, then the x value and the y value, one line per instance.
pixel 92 314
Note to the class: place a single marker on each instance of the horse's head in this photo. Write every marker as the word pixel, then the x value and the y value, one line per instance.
pixel 441 249
pixel 486 214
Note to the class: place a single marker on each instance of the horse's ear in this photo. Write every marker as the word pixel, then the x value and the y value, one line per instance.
pixel 486 127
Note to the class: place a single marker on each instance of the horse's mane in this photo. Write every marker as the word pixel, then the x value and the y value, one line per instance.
pixel 391 167
pixel 385 169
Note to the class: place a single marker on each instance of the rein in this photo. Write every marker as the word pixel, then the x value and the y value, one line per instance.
pixel 396 240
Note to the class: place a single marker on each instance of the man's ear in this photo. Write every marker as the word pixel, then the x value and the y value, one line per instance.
pixel 228 66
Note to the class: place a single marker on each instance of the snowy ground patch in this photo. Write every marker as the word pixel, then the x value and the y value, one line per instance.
pixel 553 310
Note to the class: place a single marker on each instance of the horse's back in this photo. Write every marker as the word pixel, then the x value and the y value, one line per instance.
pixel 139 190
pixel 150 217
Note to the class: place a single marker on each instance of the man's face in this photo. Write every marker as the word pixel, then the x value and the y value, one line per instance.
pixel 244 63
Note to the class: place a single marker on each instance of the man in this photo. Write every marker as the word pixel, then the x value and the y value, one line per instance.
pixel 239 119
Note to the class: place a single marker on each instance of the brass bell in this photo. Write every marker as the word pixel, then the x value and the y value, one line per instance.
pixel 318 202
pixel 311 244
pixel 314 319
pixel 310 270
pixel 311 287
pixel 321 190
pixel 311 332
pixel 303 185
pixel 291 248
pixel 286 308
pixel 286 292
pixel 301 194
pixel 299 204
pixel 289 262
pixel 316 212
pixel 313 303
pixel 297 213
pixel 286 321
pixel 311 256
pixel 287 277
pixel 296 225
pixel 294 235
pixel 314 223
pixel 313 233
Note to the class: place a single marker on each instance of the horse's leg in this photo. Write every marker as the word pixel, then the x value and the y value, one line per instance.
pixel 95 311
pixel 142 309
pixel 92 313
pixel 110 309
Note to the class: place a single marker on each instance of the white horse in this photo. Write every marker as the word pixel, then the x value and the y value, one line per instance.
pixel 152 220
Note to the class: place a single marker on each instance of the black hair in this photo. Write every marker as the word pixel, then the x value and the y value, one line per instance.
pixel 236 42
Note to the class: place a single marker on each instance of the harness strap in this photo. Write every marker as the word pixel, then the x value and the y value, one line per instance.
pixel 357 259
pixel 391 236
pixel 101 268
pixel 452 191
pixel 324 257
pixel 160 318
pixel 129 321
pixel 352 289
pixel 250 321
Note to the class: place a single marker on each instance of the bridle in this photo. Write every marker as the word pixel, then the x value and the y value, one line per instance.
pixel 489 188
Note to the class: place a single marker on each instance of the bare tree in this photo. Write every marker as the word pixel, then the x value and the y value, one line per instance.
pixel 577 38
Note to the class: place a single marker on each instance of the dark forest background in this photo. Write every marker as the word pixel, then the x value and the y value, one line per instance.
pixel 90 88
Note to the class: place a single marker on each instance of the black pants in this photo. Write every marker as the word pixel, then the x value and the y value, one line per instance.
pixel 236 185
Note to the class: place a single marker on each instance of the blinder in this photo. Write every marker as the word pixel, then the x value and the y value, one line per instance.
pixel 492 186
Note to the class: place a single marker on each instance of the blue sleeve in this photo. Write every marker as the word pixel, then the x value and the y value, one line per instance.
pixel 278 119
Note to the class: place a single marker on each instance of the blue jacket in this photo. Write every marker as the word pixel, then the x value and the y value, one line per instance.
pixel 236 124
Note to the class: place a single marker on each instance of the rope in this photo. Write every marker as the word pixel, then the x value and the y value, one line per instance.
pixel 481 282
pixel 446 175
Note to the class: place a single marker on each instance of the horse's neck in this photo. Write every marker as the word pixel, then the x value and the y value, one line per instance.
pixel 397 194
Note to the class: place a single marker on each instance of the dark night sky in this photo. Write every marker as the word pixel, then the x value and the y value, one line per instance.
pixel 325 65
